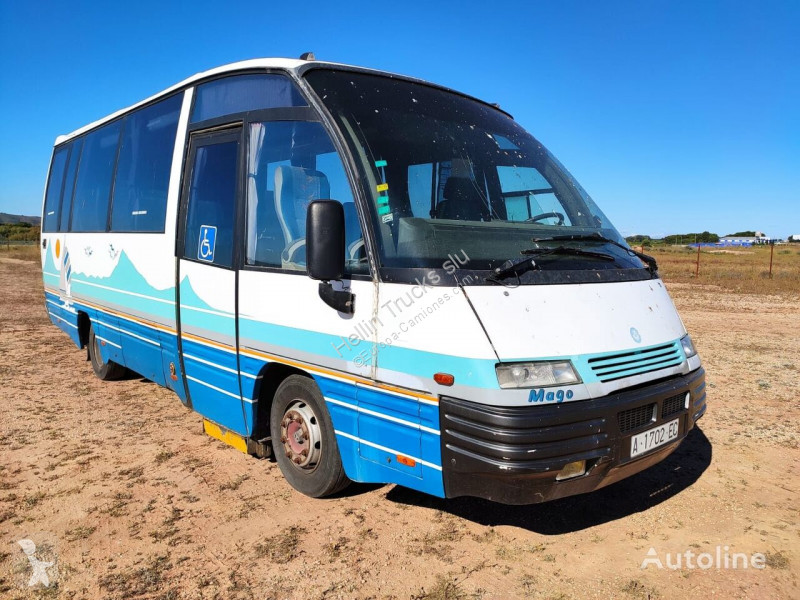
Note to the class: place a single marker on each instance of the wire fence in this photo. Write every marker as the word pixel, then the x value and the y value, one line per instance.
pixel 7 243
pixel 764 268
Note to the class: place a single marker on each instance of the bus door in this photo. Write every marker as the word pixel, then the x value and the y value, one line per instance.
pixel 207 278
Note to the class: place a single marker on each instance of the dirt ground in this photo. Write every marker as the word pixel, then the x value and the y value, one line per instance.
pixel 118 487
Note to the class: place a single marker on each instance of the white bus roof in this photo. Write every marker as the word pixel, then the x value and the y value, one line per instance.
pixel 289 64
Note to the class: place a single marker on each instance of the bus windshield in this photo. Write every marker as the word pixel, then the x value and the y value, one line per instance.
pixel 447 175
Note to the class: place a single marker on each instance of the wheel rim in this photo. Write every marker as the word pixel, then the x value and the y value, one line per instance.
pixel 301 436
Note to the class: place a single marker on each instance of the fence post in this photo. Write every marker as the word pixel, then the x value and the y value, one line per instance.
pixel 771 251
pixel 697 268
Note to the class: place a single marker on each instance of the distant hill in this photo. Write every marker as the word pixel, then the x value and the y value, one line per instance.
pixel 7 218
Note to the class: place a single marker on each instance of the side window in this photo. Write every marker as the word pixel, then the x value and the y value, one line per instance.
pixel 242 93
pixel 289 165
pixel 527 194
pixel 55 183
pixel 69 184
pixel 212 203
pixel 95 174
pixel 145 161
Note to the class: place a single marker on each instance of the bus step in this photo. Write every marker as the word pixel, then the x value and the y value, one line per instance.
pixel 225 435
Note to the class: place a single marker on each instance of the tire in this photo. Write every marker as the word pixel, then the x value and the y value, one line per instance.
pixel 107 371
pixel 303 439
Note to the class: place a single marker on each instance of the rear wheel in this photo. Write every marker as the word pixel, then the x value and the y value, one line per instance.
pixel 107 371
pixel 303 439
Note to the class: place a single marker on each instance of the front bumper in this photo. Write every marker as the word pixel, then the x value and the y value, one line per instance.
pixel 513 454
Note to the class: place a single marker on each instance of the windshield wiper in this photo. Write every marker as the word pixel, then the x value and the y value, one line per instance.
pixel 511 268
pixel 515 268
pixel 566 250
pixel 651 263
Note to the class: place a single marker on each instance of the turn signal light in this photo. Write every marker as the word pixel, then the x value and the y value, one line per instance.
pixel 444 379
pixel 405 460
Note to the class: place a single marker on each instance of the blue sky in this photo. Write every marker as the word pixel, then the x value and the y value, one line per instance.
pixel 675 116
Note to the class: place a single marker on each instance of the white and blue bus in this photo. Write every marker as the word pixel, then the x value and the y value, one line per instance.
pixel 371 278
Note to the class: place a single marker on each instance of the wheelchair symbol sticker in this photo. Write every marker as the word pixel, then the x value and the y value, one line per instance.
pixel 205 246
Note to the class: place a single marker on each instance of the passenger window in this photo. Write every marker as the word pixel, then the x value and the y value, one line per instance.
pixel 291 164
pixel 95 174
pixel 52 200
pixel 527 195
pixel 242 93
pixel 145 161
pixel 212 203
pixel 69 184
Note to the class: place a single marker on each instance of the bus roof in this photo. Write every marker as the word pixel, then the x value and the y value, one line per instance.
pixel 287 64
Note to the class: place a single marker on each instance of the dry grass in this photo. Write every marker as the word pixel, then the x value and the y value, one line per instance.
pixel 743 270
pixel 21 252
pixel 282 547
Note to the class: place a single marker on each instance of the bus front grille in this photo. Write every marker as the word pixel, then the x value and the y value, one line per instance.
pixel 636 362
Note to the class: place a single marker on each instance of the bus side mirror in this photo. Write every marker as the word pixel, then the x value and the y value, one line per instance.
pixel 325 252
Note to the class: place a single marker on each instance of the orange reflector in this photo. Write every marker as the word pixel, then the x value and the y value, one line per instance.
pixel 404 460
pixel 444 379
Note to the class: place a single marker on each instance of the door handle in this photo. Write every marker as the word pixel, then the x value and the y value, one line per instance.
pixel 44 243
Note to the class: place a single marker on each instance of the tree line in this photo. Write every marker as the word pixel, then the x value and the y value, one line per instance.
pixel 704 237
pixel 19 232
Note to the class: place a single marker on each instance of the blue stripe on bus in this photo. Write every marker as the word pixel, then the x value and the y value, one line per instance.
pixel 372 427
pixel 474 372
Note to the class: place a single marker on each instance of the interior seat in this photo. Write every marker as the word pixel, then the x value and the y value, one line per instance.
pixel 295 189
pixel 463 201
pixel 269 237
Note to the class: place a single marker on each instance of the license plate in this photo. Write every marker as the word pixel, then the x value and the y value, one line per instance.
pixel 653 438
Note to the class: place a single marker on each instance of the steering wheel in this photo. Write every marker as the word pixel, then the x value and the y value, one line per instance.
pixel 547 215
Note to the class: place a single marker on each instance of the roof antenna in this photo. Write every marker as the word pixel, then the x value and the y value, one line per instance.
pixel 307 56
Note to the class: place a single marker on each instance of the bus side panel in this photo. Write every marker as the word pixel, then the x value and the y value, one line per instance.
pixel 107 330
pixel 388 426
pixel 63 316
pixel 395 424
pixel 141 345
pixel 170 365
pixel 58 310
pixel 125 283
pixel 213 383
pixel 251 379
pixel 370 443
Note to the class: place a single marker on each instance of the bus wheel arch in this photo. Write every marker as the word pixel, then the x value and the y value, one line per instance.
pixel 105 370
pixel 271 376
pixel 84 327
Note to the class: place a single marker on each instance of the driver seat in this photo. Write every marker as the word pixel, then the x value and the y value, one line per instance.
pixel 295 189
pixel 463 201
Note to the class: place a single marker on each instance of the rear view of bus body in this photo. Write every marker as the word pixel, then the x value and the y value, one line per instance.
pixel 462 320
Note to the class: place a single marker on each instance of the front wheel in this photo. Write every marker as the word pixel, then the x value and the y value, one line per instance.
pixel 303 439
pixel 107 371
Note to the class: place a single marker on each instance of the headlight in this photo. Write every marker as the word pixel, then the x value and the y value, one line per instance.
pixel 688 346
pixel 535 374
